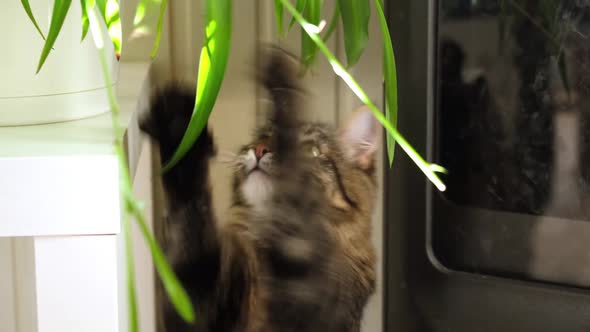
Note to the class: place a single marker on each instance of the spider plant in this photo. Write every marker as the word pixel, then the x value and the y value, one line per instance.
pixel 354 17
pixel 547 22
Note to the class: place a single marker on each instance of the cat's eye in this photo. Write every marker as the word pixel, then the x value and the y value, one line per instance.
pixel 310 149
pixel 315 152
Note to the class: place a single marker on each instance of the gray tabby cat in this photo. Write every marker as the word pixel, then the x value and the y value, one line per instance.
pixel 296 254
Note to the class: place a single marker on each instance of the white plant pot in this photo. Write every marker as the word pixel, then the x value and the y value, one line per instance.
pixel 69 86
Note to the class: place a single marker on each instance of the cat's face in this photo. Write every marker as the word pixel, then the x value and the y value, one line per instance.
pixel 342 160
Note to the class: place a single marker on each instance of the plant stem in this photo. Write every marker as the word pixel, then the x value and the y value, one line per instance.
pixel 339 70
pixel 178 296
pixel 124 177
pixel 132 303
pixel 156 46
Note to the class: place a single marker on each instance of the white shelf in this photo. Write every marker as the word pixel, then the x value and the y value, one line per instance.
pixel 60 214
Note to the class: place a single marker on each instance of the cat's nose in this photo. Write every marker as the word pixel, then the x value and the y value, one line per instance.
pixel 261 150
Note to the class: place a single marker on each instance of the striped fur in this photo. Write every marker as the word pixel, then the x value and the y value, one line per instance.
pixel 301 259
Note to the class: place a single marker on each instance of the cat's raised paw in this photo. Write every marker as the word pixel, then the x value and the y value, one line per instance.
pixel 168 117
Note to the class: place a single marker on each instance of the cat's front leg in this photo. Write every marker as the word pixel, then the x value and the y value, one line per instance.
pixel 190 230
pixel 165 122
pixel 212 263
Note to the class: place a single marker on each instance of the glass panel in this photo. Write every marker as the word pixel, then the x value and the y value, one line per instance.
pixel 513 114
pixel 512 134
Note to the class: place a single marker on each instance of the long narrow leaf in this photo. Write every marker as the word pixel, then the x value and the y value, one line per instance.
pixel 125 181
pixel 355 22
pixel 312 14
pixel 110 11
pixel 562 66
pixel 212 64
pixel 279 16
pixel 85 23
pixel 29 11
pixel 427 168
pixel 300 5
pixel 144 7
pixel 176 293
pixel 333 22
pixel 159 29
pixel 390 76
pixel 58 15
pixel 133 321
pixel 145 18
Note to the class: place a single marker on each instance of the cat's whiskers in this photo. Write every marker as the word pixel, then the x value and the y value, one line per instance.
pixel 365 144
pixel 227 153
pixel 227 157
pixel 232 160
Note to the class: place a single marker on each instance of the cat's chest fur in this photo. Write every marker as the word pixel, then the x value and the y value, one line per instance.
pixel 343 283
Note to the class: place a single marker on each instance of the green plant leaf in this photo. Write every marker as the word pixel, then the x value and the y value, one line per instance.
pixel 144 7
pixel 300 5
pixel 110 12
pixel 355 23
pixel 279 16
pixel 177 294
pixel 29 11
pixel 85 23
pixel 145 18
pixel 212 64
pixel 312 14
pixel 333 22
pixel 174 289
pixel 562 65
pixel 390 76
pixel 428 169
pixel 159 29
pixel 549 12
pixel 58 15
pixel 130 271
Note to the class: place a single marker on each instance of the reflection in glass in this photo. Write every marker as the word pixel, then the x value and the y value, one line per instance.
pixel 513 119
pixel 509 72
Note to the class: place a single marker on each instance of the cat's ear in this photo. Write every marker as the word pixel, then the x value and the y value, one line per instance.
pixel 360 138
